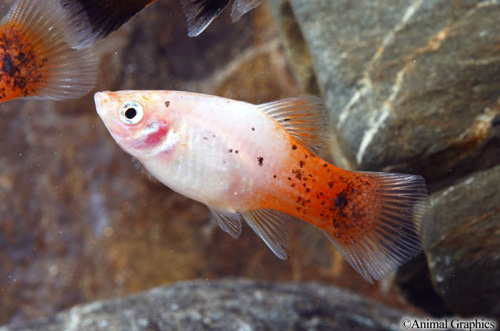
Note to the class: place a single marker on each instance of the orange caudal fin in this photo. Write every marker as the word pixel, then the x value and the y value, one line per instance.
pixel 41 54
pixel 385 216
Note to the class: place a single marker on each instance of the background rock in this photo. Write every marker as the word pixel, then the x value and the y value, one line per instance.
pixel 79 221
pixel 228 305
pixel 412 85
pixel 463 245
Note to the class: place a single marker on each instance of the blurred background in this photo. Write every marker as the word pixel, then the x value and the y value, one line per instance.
pixel 411 86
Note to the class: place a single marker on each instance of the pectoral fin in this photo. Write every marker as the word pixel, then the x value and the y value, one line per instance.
pixel 229 222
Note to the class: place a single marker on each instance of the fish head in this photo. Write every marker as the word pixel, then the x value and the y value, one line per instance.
pixel 138 121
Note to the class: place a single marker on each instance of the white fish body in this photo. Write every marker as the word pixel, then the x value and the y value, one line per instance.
pixel 212 150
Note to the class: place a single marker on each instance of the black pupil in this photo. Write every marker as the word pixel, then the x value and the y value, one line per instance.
pixel 130 113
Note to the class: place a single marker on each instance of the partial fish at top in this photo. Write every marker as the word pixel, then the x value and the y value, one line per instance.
pixel 46 46
pixel 43 53
pixel 106 16
pixel 200 13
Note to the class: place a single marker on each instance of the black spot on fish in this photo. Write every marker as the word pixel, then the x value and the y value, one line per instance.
pixel 8 65
pixel 341 200
pixel 167 103
pixel 205 138
pixel 286 120
pixel 253 129
pixel 274 176
pixel 330 184
pixel 294 147
pixel 261 161
pixel 230 150
pixel 297 173
pixel 236 151
pixel 301 163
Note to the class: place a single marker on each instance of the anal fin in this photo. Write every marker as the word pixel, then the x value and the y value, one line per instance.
pixel 273 227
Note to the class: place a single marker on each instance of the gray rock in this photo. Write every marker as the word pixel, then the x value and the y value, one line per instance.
pixel 228 305
pixel 463 245
pixel 412 85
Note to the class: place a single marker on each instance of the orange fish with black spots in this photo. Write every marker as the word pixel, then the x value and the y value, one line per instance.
pixel 42 54
pixel 258 163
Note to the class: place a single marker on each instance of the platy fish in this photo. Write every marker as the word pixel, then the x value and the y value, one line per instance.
pixel 41 53
pixel 259 163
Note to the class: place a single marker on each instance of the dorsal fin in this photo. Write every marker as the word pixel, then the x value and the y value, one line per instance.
pixel 241 7
pixel 43 56
pixel 305 118
pixel 273 227
pixel 229 222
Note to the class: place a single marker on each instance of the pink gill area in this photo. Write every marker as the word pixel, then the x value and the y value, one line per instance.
pixel 156 137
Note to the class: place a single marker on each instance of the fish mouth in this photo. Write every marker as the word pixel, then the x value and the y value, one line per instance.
pixel 100 99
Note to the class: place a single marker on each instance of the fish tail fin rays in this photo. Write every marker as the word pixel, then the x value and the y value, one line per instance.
pixel 104 17
pixel 241 7
pixel 385 224
pixel 200 13
pixel 43 58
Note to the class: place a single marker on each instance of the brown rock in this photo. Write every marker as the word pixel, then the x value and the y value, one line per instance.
pixel 463 245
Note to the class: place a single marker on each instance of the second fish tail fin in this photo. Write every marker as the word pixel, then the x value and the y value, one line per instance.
pixel 383 220
pixel 45 58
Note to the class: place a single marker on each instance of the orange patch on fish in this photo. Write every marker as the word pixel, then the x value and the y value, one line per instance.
pixel 41 52
pixel 22 63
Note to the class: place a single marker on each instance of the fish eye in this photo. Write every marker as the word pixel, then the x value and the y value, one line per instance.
pixel 131 112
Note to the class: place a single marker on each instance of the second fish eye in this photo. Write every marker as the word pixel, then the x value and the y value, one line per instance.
pixel 131 112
